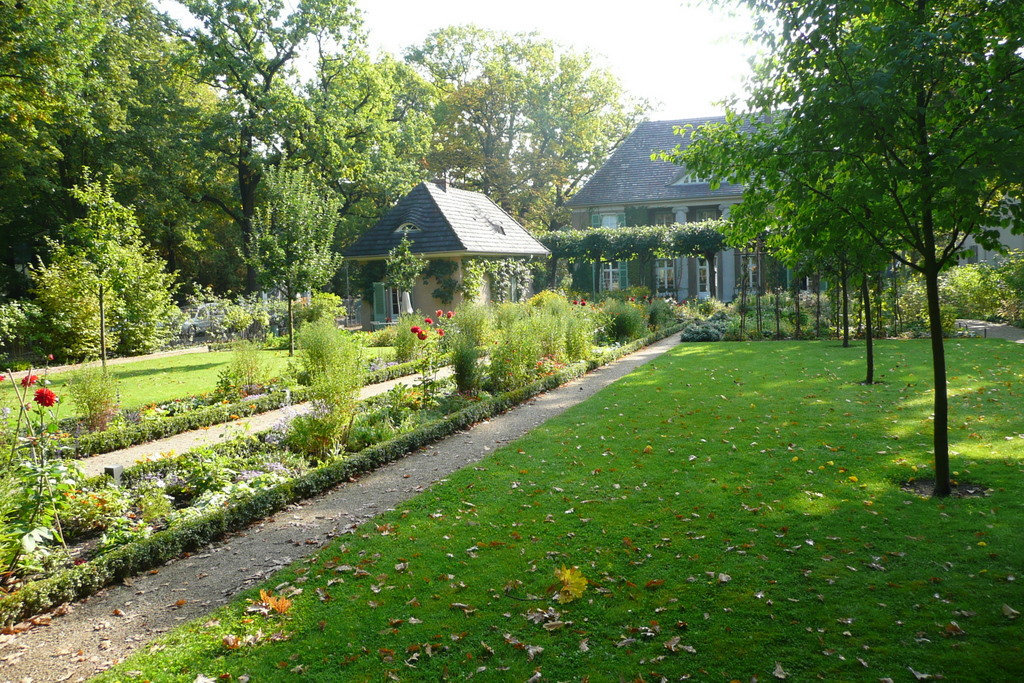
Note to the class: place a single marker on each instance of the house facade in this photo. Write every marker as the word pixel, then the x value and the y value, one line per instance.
pixel 632 189
pixel 450 227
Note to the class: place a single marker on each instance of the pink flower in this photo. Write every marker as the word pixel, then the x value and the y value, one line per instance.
pixel 29 380
pixel 451 314
pixel 49 357
pixel 438 313
pixel 45 397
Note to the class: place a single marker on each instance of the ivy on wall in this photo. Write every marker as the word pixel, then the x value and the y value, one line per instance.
pixel 442 271
pixel 630 243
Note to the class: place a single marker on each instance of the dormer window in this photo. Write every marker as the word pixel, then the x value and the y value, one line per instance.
pixel 688 177
pixel 406 228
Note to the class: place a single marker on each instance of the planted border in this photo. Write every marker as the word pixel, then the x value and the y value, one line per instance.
pixel 75 583
pixel 115 439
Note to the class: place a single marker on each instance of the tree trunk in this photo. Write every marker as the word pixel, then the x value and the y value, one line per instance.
pixel 865 294
pixel 103 327
pixel 248 180
pixel 291 326
pixel 817 306
pixel 940 436
pixel 712 277
pixel 879 318
pixel 845 283
pixel 796 312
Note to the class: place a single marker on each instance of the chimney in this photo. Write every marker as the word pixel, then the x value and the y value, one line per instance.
pixel 442 182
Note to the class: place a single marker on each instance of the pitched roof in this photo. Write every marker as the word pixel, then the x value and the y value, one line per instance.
pixel 629 176
pixel 450 220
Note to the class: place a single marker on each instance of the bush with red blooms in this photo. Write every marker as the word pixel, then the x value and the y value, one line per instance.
pixel 430 358
pixel 36 479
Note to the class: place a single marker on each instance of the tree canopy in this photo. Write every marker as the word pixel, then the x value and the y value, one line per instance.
pixel 897 124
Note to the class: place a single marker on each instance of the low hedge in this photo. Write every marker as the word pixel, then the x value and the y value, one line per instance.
pixel 74 583
pixel 148 430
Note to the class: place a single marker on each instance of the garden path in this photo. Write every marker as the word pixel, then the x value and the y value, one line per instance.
pixel 116 361
pixel 123 618
pixel 207 436
pixel 994 330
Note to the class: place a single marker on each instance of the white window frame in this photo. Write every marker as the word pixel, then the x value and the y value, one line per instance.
pixel 665 276
pixel 610 274
pixel 749 262
pixel 392 303
pixel 703 279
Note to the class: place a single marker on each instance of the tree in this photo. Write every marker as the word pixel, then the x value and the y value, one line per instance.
pixel 245 49
pixel 521 119
pixel 402 267
pixel 103 272
pixel 292 238
pixel 902 120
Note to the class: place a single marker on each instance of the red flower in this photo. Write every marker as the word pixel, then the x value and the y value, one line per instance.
pixel 29 380
pixel 440 333
pixel 422 335
pixel 45 397
pixel 575 302
pixel 415 329
pixel 428 321
pixel 451 314
pixel 438 313
pixel 583 302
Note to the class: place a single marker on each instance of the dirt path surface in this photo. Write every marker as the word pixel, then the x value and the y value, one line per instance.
pixel 179 443
pixel 106 628
pixel 995 330
pixel 115 361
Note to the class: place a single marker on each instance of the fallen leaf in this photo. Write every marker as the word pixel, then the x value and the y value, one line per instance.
pixel 779 672
pixel 1009 612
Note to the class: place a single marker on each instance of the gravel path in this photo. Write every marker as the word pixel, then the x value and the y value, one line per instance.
pixel 984 328
pixel 116 361
pixel 107 627
pixel 179 443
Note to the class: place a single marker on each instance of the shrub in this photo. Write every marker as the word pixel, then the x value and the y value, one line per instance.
pixel 1010 275
pixel 972 291
pixel 548 299
pixel 88 511
pixel 334 393
pixel 660 314
pixel 247 371
pixel 507 315
pixel 579 335
pixel 237 319
pixel 407 345
pixel 704 331
pixel 626 321
pixel 549 329
pixel 514 358
pixel 321 345
pixel 18 326
pixel 322 306
pixel 635 292
pixel 93 391
pixel 465 362
pixel 385 336
pixel 472 321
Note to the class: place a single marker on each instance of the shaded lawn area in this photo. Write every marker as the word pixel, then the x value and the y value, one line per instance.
pixel 163 379
pixel 763 526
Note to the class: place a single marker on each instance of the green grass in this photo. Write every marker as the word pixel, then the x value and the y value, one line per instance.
pixel 768 463
pixel 163 379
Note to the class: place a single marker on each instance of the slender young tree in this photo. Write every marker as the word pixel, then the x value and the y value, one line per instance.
pixel 292 238
pixel 902 119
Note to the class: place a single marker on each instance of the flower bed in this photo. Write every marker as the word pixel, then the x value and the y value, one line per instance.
pixel 266 491
pixel 197 412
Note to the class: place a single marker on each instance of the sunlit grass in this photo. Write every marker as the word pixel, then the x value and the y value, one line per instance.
pixel 741 498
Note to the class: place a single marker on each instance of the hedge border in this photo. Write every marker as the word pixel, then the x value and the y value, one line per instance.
pixel 109 440
pixel 81 581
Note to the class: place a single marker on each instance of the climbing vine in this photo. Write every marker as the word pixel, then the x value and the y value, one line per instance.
pixel 507 276
pixel 442 271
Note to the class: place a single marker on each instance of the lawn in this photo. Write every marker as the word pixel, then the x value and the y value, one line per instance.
pixel 162 379
pixel 735 507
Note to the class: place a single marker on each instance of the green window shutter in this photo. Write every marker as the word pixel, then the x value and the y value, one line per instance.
pixel 379 312
pixel 620 220
pixel 595 220
pixel 623 274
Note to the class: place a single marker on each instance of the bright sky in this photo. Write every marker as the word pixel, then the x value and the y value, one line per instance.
pixel 681 57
